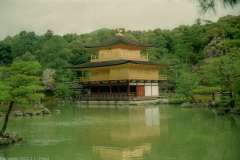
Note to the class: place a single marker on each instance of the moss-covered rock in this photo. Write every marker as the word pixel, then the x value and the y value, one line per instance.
pixel 46 111
pixel 3 141
pixel 10 138
pixel 30 112
pixel 17 113
pixel 38 112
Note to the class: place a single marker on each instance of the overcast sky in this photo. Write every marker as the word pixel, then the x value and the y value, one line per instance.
pixel 84 16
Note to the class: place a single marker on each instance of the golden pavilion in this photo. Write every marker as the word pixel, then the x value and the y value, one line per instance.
pixel 119 71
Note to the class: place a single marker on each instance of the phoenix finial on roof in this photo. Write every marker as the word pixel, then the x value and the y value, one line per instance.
pixel 119 32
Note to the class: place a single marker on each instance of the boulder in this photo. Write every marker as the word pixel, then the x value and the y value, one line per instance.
pixel 13 136
pixel 26 115
pixel 30 112
pixel 3 141
pixel 38 112
pixel 9 138
pixel 17 113
pixel 46 111
pixel 9 141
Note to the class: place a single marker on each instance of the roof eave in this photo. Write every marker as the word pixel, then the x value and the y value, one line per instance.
pixel 117 46
pixel 120 62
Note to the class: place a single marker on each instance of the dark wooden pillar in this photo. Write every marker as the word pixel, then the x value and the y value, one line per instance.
pixel 90 90
pixel 110 90
pixel 82 91
pixel 138 91
pixel 98 90
pixel 128 89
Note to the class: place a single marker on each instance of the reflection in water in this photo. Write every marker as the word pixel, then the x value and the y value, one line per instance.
pixel 152 116
pixel 233 123
pixel 122 153
pixel 126 132
pixel 137 129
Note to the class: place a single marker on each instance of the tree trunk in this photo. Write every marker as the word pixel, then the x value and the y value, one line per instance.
pixel 6 119
pixel 194 100
pixel 213 96
pixel 232 103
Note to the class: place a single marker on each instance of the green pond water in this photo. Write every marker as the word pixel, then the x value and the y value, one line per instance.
pixel 164 132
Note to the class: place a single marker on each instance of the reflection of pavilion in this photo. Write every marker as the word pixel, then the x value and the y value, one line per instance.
pixel 131 136
pixel 122 153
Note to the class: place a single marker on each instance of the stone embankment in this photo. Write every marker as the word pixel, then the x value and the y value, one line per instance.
pixel 220 110
pixel 31 112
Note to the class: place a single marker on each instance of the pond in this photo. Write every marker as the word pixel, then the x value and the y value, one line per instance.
pixel 165 132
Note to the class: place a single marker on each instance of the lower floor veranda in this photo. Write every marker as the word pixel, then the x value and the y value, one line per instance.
pixel 124 90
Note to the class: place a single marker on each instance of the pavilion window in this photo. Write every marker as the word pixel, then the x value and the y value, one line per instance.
pixel 123 88
pixel 115 89
pixel 133 89
pixel 104 89
pixel 94 89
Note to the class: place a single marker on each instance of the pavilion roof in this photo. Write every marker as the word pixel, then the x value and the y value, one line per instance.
pixel 118 39
pixel 115 62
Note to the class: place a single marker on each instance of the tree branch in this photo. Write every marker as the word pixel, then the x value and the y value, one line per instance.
pixel 222 72
pixel 221 92
pixel 237 76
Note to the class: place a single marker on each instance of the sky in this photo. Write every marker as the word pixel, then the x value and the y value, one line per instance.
pixel 85 16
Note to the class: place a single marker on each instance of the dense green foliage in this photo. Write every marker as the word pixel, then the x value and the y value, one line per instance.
pixel 202 54
pixel 20 84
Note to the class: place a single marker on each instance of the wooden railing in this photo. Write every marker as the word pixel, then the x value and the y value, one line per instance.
pixel 106 97
pixel 94 57
pixel 143 57
pixel 114 78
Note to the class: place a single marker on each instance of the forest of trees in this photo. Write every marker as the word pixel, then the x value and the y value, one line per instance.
pixel 205 57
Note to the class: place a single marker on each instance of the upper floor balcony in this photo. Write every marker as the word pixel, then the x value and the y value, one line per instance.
pixel 104 57
pixel 120 77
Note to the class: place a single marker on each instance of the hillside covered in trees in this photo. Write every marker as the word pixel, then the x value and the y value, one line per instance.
pixel 205 56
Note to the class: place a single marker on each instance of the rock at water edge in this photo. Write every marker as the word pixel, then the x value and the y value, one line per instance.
pixel 46 111
pixel 17 113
